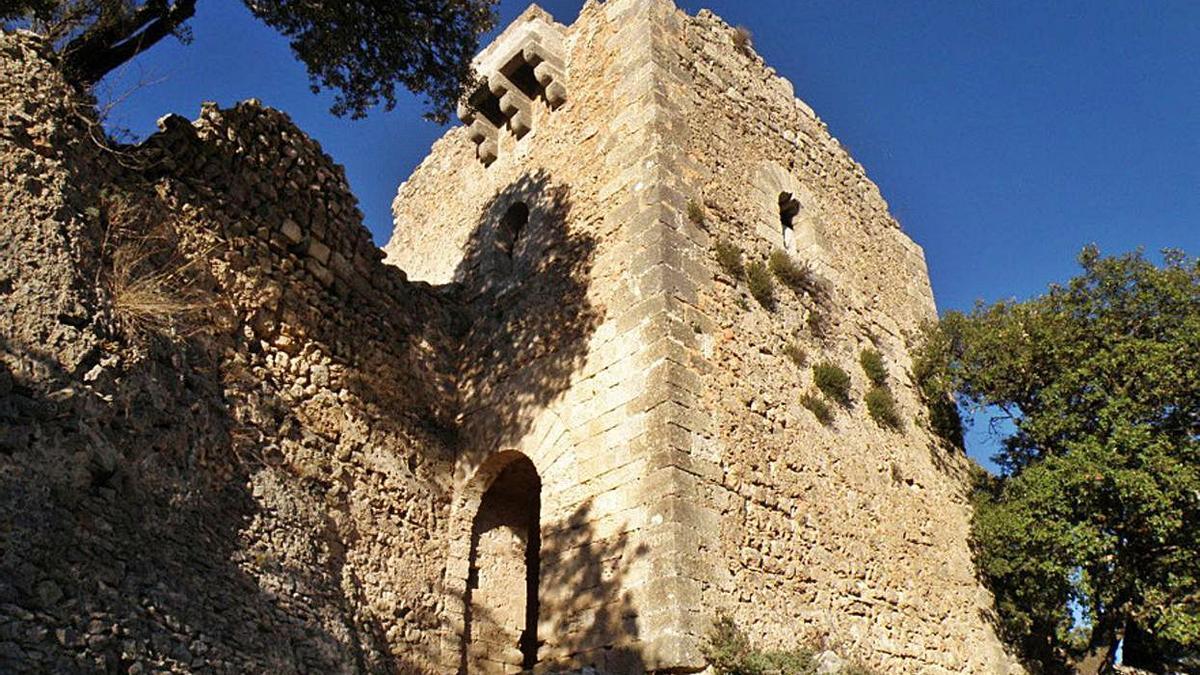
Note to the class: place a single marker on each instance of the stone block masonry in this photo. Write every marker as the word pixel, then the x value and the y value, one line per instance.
pixel 673 440
pixel 548 432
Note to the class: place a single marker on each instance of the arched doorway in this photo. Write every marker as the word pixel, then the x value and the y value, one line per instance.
pixel 501 603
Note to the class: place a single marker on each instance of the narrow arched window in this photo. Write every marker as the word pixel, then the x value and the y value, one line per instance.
pixel 789 208
pixel 510 230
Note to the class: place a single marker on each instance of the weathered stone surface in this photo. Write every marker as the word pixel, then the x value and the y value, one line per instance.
pixel 308 463
pixel 256 489
pixel 684 438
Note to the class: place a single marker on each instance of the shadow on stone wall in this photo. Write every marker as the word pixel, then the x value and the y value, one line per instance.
pixel 211 502
pixel 531 315
pixel 586 616
pixel 585 598
pixel 121 548
pixel 177 503
pixel 524 280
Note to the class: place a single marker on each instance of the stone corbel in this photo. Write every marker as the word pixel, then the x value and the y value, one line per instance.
pixel 482 132
pixel 525 63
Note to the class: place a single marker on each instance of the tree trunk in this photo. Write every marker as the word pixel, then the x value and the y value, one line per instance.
pixel 1141 651
pixel 1102 648
pixel 115 40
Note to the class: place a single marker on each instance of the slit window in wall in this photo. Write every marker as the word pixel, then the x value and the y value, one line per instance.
pixel 510 230
pixel 789 208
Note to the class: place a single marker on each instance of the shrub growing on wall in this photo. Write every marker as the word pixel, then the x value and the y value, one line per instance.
pixel 882 407
pixel 729 257
pixel 832 381
pixel 761 286
pixel 818 407
pixel 730 652
pixel 794 275
pixel 872 365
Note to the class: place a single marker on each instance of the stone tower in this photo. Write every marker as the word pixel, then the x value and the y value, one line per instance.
pixel 634 456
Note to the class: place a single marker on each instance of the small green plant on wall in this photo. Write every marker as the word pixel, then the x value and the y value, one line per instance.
pixel 882 407
pixel 761 287
pixel 818 407
pixel 729 257
pixel 872 365
pixel 818 323
pixel 730 652
pixel 695 212
pixel 832 381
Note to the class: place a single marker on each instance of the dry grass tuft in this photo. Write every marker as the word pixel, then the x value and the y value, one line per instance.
pixel 743 39
pixel 796 353
pixel 154 289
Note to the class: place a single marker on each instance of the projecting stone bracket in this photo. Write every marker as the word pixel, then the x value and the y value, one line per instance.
pixel 523 65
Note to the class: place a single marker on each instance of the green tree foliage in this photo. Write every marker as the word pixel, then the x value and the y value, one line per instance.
pixel 935 385
pixel 362 50
pixel 1098 505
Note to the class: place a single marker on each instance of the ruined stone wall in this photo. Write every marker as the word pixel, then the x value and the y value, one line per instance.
pixel 225 426
pixel 848 533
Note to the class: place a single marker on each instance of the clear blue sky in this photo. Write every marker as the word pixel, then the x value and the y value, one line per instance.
pixel 1005 135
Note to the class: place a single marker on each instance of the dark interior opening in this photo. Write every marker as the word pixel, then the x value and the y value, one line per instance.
pixel 519 72
pixel 487 104
pixel 789 208
pixel 511 228
pixel 502 584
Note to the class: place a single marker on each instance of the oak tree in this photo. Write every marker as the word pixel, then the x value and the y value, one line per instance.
pixel 1090 535
pixel 360 49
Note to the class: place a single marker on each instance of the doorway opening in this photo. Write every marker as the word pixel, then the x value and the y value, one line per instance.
pixel 501 601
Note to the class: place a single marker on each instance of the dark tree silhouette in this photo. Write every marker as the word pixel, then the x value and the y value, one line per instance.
pixel 361 49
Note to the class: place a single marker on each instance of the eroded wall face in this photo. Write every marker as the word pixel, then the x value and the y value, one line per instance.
pixel 849 533
pixel 251 477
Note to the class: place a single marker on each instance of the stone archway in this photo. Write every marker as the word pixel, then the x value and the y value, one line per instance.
pixel 500 598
